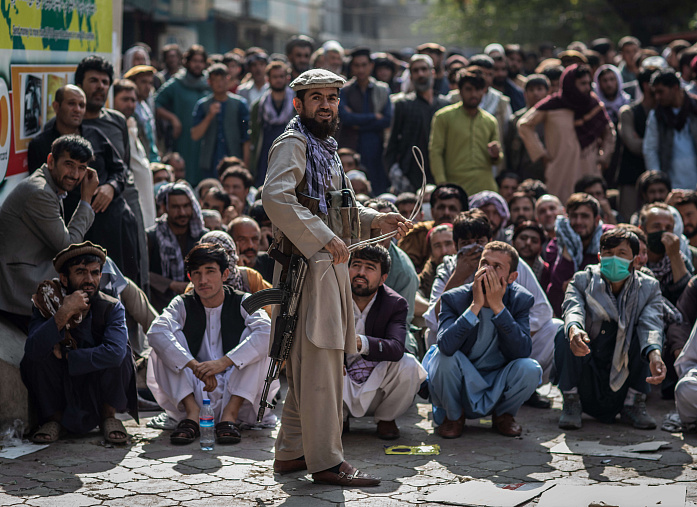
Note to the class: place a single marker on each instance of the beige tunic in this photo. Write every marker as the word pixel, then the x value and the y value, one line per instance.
pixel 326 306
pixel 567 161
pixel 312 418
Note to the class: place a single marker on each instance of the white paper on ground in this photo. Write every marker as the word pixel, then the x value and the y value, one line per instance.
pixel 672 495
pixel 21 450
pixel 637 451
pixel 486 493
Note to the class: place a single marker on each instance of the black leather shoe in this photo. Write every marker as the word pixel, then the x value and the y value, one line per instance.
pixel 537 401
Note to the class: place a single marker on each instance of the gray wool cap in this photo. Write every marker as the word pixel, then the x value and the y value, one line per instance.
pixel 317 78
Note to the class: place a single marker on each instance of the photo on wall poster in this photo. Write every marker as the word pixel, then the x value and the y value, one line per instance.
pixel 31 100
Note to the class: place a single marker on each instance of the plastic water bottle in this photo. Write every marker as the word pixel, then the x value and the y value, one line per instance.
pixel 206 422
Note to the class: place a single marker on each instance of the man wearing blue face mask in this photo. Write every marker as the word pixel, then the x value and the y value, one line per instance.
pixel 609 349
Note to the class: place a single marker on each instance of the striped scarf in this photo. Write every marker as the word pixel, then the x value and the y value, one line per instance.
pixel 322 161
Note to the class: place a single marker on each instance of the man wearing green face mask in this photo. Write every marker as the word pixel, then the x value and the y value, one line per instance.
pixel 669 265
pixel 609 349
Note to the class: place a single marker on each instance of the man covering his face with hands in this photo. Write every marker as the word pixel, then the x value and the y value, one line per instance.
pixel 481 364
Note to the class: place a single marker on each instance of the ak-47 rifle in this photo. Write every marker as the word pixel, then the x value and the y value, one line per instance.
pixel 288 296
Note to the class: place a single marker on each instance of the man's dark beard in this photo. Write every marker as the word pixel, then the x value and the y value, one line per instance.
pixel 278 89
pixel 690 234
pixel 363 291
pixel 321 130
pixel 500 81
pixel 71 288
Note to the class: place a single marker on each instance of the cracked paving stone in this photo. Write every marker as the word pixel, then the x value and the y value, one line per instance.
pixel 218 501
pixel 305 501
pixel 227 487
pixel 137 462
pixel 153 486
pixel 9 500
pixel 185 495
pixel 614 473
pixel 117 475
pixel 197 479
pixel 343 495
pixel 202 463
pixel 70 500
pixel 261 480
pixel 94 484
pixel 166 471
pixel 413 498
pixel 144 500
pixel 440 473
pixel 374 502
pixel 647 481
pixel 568 465
pixel 109 494
pixel 262 497
pixel 418 481
pixel 235 472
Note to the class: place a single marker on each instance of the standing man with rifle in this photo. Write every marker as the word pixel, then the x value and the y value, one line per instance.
pixel 315 215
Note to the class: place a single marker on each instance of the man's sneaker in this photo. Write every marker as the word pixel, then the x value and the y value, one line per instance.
pixel 636 414
pixel 162 422
pixel 571 414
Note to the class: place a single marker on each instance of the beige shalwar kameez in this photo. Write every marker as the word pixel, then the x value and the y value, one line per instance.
pixel 567 161
pixel 311 423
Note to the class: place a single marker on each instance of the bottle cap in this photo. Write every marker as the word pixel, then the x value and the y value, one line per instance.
pixel 206 402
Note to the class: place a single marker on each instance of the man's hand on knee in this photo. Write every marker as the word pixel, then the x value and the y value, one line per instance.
pixel 578 340
pixel 657 367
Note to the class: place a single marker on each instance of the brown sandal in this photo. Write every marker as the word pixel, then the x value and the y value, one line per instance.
pixel 186 432
pixel 53 429
pixel 112 425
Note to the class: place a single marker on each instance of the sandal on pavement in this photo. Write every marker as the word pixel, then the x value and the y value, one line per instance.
pixel 52 429
pixel 347 476
pixel 227 432
pixel 186 432
pixel 113 425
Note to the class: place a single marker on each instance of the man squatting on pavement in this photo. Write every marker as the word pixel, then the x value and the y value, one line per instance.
pixel 303 169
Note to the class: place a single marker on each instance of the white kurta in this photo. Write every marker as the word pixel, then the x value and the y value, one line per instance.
pixel 686 388
pixel 390 389
pixel 170 381
pixel 543 327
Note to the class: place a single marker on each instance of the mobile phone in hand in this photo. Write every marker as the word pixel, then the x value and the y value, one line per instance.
pixel 468 248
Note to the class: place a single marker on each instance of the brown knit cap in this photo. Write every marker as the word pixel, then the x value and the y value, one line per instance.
pixel 76 250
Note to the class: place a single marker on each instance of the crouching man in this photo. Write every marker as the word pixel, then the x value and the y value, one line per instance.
pixel 381 380
pixel 612 337
pixel 206 345
pixel 481 364
pixel 77 365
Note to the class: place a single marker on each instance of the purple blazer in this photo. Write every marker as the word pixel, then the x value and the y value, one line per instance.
pixel 386 326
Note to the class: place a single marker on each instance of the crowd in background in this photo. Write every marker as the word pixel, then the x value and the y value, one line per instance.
pixel 547 151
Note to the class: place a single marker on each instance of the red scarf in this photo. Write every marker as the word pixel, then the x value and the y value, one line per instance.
pixel 590 117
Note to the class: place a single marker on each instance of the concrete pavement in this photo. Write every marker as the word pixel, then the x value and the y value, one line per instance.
pixel 83 471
